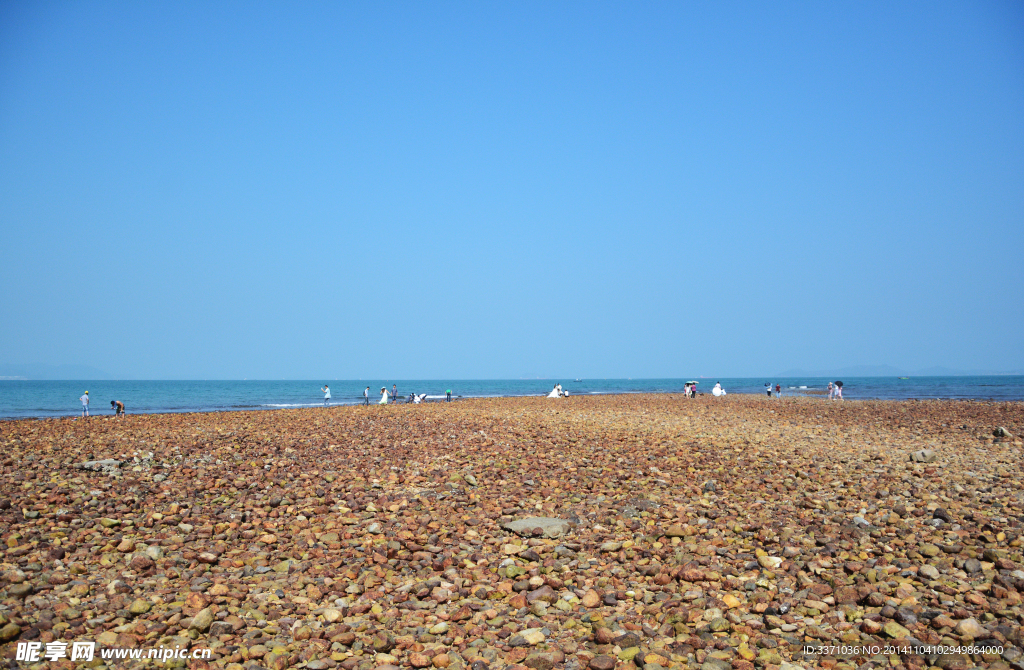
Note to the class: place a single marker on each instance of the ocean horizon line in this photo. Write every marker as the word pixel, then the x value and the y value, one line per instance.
pixel 498 379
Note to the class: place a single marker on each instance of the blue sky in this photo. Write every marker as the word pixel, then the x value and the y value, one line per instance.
pixel 491 190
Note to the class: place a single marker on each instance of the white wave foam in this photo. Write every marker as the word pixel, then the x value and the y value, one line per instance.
pixel 300 404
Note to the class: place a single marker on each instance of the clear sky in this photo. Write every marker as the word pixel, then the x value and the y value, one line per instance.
pixel 506 189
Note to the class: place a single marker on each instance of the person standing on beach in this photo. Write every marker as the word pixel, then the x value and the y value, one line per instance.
pixel 839 391
pixel 448 395
pixel 118 408
pixel 327 394
pixel 366 396
pixel 778 390
pixel 768 388
pixel 85 404
pixel 394 391
pixel 830 390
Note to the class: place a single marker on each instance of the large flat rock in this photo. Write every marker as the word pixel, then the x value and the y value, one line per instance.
pixel 551 527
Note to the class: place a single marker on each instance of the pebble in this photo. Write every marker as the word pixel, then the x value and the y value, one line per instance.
pixel 140 606
pixel 971 628
pixel 319 537
pixel 202 620
pixel 9 632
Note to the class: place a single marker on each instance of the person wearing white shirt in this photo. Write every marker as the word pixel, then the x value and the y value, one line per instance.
pixel 85 404
pixel 327 394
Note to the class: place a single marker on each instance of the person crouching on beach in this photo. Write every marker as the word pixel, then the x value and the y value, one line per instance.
pixel 118 408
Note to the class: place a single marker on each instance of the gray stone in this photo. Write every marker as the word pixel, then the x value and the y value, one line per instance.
pixel 924 456
pixel 105 465
pixel 549 526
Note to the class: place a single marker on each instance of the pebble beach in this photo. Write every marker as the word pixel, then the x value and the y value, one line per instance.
pixel 602 532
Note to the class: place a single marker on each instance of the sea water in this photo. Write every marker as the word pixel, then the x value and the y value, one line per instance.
pixel 21 398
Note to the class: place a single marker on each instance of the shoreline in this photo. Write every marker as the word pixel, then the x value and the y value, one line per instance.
pixel 786 397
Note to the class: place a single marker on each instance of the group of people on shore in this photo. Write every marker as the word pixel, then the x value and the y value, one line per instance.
pixel 385 396
pixel 115 405
pixel 835 391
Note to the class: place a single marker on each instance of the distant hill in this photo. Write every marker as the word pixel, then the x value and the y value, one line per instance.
pixel 41 371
